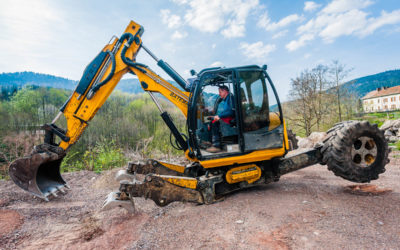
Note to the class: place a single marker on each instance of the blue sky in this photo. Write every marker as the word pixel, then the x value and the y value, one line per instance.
pixel 61 37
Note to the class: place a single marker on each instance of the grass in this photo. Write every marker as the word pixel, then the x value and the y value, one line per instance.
pixel 104 156
pixel 380 118
pixel 397 145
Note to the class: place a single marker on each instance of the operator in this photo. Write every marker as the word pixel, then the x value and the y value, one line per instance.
pixel 225 113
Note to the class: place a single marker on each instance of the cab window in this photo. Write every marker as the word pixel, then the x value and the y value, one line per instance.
pixel 261 123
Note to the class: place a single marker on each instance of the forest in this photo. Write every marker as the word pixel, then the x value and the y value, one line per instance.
pixel 126 123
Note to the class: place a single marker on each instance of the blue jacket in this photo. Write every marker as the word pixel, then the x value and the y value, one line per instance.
pixel 226 107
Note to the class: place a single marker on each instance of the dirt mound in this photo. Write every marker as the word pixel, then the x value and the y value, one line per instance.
pixel 308 209
pixel 366 189
pixel 10 221
pixel 106 180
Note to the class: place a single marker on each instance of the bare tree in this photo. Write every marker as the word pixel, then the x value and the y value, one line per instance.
pixel 302 106
pixel 319 76
pixel 338 72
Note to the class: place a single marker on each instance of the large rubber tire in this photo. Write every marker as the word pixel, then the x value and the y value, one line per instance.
pixel 339 151
pixel 293 142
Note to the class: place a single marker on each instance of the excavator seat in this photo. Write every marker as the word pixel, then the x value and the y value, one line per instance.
pixel 229 132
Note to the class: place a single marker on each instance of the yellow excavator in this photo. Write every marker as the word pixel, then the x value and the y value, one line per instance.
pixel 253 146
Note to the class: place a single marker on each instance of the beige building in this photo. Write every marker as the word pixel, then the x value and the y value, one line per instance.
pixel 382 99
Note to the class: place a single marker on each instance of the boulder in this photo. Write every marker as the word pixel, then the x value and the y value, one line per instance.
pixel 388 132
pixel 393 138
pixel 390 124
pixel 313 139
pixel 305 143
pixel 397 124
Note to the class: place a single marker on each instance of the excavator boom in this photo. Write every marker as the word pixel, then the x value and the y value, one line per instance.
pixel 39 173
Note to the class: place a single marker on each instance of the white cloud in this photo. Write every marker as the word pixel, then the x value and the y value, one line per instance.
pixel 180 2
pixel 179 35
pixel 280 34
pixel 213 46
pixel 311 6
pixel 229 16
pixel 28 19
pixel 338 6
pixel 294 45
pixel 234 29
pixel 342 18
pixel 384 19
pixel 172 21
pixel 307 55
pixel 265 22
pixel 256 50
pixel 28 28
pixel 345 24
pixel 216 64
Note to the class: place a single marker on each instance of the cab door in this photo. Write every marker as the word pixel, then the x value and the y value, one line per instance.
pixel 261 123
pixel 204 103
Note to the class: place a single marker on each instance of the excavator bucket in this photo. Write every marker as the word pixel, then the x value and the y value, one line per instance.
pixel 39 173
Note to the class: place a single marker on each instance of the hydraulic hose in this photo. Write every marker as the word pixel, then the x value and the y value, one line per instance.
pixel 129 42
pixel 108 78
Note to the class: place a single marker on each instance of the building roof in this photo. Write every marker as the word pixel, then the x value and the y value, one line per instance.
pixel 382 92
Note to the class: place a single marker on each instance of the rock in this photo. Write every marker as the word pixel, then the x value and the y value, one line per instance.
pixel 239 222
pixel 387 124
pixel 314 138
pixel 393 139
pixel 389 133
pixel 305 143
pixel 317 136
pixel 391 124
pixel 396 124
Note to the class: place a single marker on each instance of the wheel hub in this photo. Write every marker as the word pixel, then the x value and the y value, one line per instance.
pixel 364 151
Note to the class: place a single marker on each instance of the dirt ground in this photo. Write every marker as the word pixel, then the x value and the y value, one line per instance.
pixel 307 209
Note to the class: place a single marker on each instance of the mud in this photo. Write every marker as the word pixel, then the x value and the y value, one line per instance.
pixel 306 209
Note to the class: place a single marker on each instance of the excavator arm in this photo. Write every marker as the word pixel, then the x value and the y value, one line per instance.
pixel 100 78
pixel 39 173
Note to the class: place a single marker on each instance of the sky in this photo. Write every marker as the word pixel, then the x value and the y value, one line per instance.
pixel 60 37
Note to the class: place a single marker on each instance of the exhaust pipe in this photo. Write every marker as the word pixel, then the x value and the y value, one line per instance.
pixel 39 173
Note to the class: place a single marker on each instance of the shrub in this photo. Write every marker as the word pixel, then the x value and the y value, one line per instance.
pixel 104 156
pixel 397 144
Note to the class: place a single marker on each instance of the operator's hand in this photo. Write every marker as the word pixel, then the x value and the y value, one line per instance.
pixel 209 110
pixel 216 118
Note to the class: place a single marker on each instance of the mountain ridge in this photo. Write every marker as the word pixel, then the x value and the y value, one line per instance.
pixel 359 86
pixel 20 79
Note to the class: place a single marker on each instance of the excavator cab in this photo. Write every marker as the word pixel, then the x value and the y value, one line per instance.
pixel 257 123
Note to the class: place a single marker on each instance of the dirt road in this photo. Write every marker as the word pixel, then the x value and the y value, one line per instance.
pixel 307 209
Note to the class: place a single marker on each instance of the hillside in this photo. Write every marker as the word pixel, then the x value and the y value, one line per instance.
pixel 20 79
pixel 361 86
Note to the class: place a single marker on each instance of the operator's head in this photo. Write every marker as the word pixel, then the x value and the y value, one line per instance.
pixel 223 91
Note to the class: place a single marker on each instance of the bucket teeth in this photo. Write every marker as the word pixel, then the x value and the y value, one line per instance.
pixel 53 191
pixel 113 200
pixel 61 189
pixel 45 197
